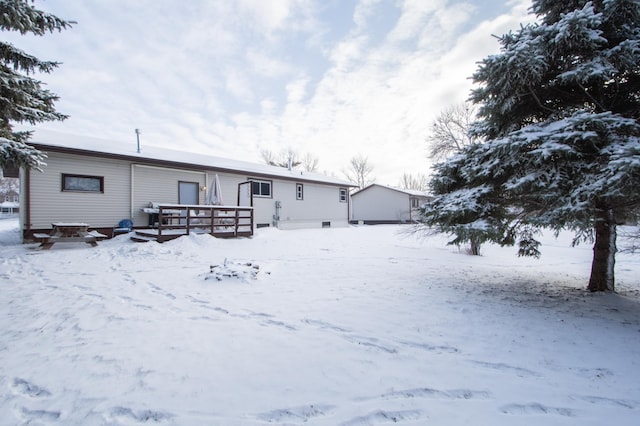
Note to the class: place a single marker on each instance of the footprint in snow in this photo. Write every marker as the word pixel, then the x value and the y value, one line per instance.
pixel 536 408
pixel 519 371
pixel 437 394
pixel 26 388
pixel 33 415
pixel 124 413
pixel 198 301
pixel 302 413
pixel 383 416
pixel 429 347
pixel 270 322
pixel 609 401
pixel 371 343
pixel 158 290
pixel 324 325
pixel 595 373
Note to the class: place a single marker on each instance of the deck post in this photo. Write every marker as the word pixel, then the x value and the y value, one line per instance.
pixel 237 220
pixel 160 220
pixel 212 213
pixel 188 219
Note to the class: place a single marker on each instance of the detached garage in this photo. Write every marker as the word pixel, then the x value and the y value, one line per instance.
pixel 378 204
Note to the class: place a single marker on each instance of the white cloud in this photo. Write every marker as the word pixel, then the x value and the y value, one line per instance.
pixel 266 65
pixel 415 13
pixel 238 84
pixel 271 15
pixel 362 13
pixel 238 77
pixel 297 90
pixel 379 101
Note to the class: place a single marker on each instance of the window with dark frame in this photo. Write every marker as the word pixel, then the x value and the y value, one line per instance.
pixel 261 188
pixel 343 195
pixel 299 191
pixel 82 183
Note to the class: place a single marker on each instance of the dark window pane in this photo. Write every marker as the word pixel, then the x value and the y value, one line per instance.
pixel 266 189
pixel 82 183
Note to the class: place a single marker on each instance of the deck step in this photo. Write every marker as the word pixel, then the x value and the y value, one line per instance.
pixel 146 235
pixel 142 238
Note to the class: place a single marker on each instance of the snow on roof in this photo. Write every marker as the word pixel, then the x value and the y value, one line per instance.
pixel 111 147
pixel 412 192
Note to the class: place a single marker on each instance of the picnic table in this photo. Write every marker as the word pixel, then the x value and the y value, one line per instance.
pixel 63 232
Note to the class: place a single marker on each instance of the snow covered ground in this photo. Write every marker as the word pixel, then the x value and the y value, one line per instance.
pixel 356 326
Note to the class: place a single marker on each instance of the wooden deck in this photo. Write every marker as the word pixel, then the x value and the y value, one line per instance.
pixel 175 220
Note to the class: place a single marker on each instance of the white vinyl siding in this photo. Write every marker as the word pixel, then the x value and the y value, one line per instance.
pixel 152 183
pixel 321 204
pixel 159 185
pixel 50 204
pixel 377 203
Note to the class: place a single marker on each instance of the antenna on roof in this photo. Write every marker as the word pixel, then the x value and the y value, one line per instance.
pixel 138 139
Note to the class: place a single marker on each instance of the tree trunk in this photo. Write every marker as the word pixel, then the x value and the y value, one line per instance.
pixel 604 251
pixel 474 247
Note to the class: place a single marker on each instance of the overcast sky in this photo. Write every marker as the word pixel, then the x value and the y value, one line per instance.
pixel 333 78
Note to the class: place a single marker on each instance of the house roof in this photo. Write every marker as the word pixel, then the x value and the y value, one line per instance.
pixel 410 192
pixel 74 144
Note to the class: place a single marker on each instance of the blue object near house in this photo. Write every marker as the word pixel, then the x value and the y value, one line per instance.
pixel 124 226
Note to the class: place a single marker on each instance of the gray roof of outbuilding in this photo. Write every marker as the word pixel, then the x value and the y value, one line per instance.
pixel 411 192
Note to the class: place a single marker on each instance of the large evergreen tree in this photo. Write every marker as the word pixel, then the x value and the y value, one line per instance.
pixel 560 110
pixel 22 97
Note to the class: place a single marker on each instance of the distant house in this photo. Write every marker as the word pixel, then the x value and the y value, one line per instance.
pixel 9 196
pixel 378 204
pixel 101 183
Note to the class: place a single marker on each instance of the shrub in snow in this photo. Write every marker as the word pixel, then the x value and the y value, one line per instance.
pixel 233 270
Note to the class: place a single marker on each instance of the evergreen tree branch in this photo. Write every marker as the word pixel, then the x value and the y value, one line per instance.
pixel 599 106
pixel 22 98
pixel 21 61
pixel 19 15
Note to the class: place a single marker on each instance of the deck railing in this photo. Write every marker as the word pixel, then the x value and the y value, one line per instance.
pixel 219 221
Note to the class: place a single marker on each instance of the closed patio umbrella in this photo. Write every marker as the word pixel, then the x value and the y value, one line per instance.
pixel 214 194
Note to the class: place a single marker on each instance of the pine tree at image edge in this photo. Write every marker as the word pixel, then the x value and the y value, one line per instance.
pixel 559 108
pixel 22 97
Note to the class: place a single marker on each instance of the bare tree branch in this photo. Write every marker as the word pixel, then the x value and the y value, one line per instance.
pixel 359 171
pixel 419 182
pixel 287 158
pixel 450 131
pixel 309 162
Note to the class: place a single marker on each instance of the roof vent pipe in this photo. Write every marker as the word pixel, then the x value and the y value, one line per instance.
pixel 138 140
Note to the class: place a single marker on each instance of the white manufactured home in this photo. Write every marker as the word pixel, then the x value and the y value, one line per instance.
pixel 102 183
pixel 378 204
